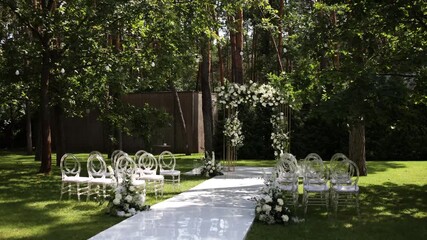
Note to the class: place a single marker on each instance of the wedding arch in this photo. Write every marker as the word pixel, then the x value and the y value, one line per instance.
pixel 232 95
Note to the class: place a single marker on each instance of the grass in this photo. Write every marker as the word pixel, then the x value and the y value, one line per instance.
pixel 393 205
pixel 30 206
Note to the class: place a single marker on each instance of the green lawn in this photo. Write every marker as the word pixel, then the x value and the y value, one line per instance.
pixel 393 205
pixel 30 206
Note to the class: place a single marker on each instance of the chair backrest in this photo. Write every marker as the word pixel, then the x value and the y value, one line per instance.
pixel 138 155
pixel 70 166
pixel 315 169
pixel 95 152
pixel 167 161
pixel 337 157
pixel 289 157
pixel 309 158
pixel 125 165
pixel 96 166
pixel 147 163
pixel 115 156
pixel 312 156
pixel 347 169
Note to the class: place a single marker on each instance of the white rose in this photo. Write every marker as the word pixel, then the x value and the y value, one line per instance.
pixel 116 201
pixel 285 218
pixel 120 213
pixel 258 209
pixel 280 202
pixel 128 198
pixel 268 199
pixel 266 208
pixel 132 211
pixel 131 188
pixel 278 208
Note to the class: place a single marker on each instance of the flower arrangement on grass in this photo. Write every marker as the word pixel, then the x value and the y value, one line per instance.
pixel 125 199
pixel 211 167
pixel 270 205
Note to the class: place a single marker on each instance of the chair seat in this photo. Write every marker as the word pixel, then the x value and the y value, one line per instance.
pixel 152 177
pixel 316 187
pixel 346 188
pixel 317 181
pixel 340 180
pixel 288 187
pixel 149 172
pixel 138 183
pixel 101 181
pixel 76 179
pixel 170 172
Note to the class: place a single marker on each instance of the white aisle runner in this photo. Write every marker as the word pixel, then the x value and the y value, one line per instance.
pixel 219 208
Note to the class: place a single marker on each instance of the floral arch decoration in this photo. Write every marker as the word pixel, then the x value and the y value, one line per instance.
pixel 232 95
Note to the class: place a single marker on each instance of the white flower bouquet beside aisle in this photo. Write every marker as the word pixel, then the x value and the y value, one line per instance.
pixel 270 205
pixel 126 200
pixel 211 167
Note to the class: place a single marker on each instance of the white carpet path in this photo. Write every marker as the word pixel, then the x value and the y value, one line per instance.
pixel 219 208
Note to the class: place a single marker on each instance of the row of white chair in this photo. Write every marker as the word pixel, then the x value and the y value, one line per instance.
pixel 342 176
pixel 144 168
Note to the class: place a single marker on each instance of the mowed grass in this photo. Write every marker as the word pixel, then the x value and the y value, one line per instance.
pixel 30 206
pixel 393 204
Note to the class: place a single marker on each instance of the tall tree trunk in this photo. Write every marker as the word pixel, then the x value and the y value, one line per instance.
pixel 46 153
pixel 206 95
pixel 280 40
pixel 239 47
pixel 233 51
pixel 181 119
pixel 28 133
pixel 60 134
pixel 38 155
pixel 221 64
pixel 357 146
pixel 254 54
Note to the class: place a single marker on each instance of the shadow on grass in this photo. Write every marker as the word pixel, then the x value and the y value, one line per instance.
pixel 382 166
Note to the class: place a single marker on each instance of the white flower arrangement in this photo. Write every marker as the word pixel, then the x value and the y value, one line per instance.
pixel 270 205
pixel 233 131
pixel 280 138
pixel 211 167
pixel 232 95
pixel 126 200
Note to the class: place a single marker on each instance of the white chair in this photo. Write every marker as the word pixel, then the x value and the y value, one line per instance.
pixel 346 192
pixel 147 167
pixel 167 163
pixel 315 188
pixel 98 179
pixel 287 178
pixel 338 171
pixel 72 182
